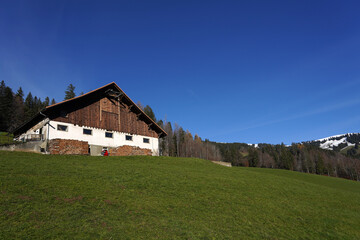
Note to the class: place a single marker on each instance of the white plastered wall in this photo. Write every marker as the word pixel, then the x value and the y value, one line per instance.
pixel 75 132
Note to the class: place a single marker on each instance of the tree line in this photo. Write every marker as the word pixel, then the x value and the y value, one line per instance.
pixel 181 143
pixel 301 157
pixel 15 110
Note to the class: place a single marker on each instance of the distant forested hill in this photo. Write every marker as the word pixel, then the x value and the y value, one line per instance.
pixel 344 143
pixel 339 159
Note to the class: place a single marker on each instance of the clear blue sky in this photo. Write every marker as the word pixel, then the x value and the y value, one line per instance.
pixel 230 71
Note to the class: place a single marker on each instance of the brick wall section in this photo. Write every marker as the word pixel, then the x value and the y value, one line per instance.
pixel 129 151
pixel 68 147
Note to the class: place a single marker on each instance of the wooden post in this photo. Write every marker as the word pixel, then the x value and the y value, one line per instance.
pixel 119 99
pixel 100 110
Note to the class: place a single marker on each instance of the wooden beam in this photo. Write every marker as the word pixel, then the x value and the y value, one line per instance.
pixel 119 115
pixel 100 110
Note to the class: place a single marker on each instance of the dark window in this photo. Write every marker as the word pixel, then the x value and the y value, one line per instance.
pixel 128 138
pixel 108 134
pixel 87 131
pixel 146 140
pixel 62 128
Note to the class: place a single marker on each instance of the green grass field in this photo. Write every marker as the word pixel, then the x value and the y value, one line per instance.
pixel 6 138
pixel 72 197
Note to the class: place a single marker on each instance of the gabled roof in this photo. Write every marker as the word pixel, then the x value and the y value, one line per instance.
pixel 111 86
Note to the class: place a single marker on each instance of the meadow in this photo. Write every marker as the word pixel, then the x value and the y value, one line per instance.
pixel 6 138
pixel 83 197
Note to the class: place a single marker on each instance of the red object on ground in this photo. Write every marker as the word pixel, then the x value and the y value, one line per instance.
pixel 106 153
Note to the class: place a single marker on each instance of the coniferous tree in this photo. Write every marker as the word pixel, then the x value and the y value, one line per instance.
pixel 2 87
pixel 46 102
pixel 28 106
pixel 253 158
pixel 6 107
pixel 35 104
pixel 9 108
pixel 20 93
pixel 70 92
pixel 18 109
pixel 149 112
pixel 2 106
pixel 53 101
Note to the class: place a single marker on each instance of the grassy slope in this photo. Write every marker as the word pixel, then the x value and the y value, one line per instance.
pixel 6 138
pixel 156 197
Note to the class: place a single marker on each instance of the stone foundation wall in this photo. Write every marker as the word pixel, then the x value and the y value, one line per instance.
pixel 23 147
pixel 68 147
pixel 129 151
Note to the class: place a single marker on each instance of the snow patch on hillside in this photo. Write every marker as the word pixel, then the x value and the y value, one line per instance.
pixel 253 145
pixel 330 144
pixel 334 141
pixel 327 138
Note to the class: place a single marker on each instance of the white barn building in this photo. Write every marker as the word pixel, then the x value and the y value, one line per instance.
pixel 105 118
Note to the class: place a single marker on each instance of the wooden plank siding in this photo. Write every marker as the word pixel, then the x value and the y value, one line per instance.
pixel 109 114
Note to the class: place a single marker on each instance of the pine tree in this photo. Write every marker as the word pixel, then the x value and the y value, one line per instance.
pixel 53 101
pixel 253 157
pixel 28 106
pixel 18 109
pixel 2 106
pixel 70 92
pixel 46 102
pixel 149 112
pixel 20 93
pixel 35 104
pixel 2 88
pixel 6 107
